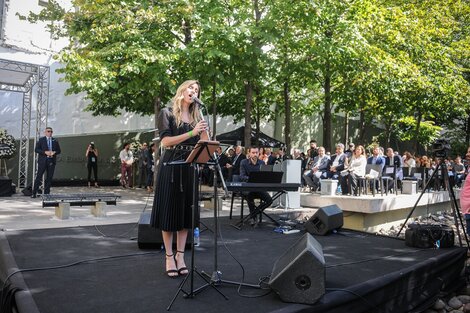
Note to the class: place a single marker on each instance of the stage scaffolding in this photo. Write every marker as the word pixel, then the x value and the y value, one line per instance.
pixel 22 77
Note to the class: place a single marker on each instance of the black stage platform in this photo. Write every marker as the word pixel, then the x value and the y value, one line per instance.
pixel 67 270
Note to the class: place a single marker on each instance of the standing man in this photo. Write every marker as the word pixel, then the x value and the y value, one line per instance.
pixel 47 149
pixel 127 158
pixel 150 166
pixel 247 166
pixel 143 160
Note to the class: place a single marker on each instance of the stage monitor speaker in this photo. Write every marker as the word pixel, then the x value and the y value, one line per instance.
pixel 149 237
pixel 325 220
pixel 6 189
pixel 298 276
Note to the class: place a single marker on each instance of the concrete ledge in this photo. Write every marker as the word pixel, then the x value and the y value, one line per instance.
pixel 328 187
pixel 209 204
pixel 99 209
pixel 409 187
pixel 62 211
pixel 368 213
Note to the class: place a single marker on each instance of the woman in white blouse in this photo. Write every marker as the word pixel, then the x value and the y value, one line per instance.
pixel 355 169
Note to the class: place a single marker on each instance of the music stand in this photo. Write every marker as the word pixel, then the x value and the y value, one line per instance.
pixel 200 154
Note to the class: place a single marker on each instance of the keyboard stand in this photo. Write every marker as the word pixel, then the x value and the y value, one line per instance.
pixel 259 210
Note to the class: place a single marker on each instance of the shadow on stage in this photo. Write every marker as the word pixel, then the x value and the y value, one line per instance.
pixel 101 269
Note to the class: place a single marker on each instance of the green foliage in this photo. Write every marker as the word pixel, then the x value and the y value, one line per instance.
pixel 406 130
pixel 381 60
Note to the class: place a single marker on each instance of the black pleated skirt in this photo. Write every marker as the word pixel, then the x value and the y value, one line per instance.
pixel 173 201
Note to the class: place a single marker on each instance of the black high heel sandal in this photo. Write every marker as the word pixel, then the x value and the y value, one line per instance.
pixel 182 270
pixel 171 273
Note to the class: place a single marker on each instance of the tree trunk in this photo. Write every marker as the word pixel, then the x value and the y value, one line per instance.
pixel 248 106
pixel 257 125
pixel 417 129
pixel 187 31
pixel 362 127
pixel 327 137
pixel 346 128
pixel 287 108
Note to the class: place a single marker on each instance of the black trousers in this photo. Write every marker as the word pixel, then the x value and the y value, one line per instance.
pixel 265 198
pixel 92 166
pixel 47 168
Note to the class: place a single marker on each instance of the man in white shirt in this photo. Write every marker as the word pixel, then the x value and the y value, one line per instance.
pixel 127 159
pixel 318 170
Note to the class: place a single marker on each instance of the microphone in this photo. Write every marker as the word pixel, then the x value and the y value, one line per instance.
pixel 196 100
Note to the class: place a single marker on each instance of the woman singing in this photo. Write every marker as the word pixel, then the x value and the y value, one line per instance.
pixel 181 124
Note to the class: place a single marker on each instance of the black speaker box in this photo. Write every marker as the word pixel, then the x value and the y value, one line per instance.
pixel 429 236
pixel 151 238
pixel 6 189
pixel 325 220
pixel 298 276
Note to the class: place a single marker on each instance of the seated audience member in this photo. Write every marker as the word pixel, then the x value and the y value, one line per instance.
pixel 271 158
pixel 355 169
pixel 262 155
pixel 223 160
pixel 337 163
pixel 318 170
pixel 408 160
pixel 350 151
pixel 281 156
pixel 376 158
pixel 247 166
pixel 393 160
pixel 459 171
pixel 234 165
pixel 312 151
pixel 425 162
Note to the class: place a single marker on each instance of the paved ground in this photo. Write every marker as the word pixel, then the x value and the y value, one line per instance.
pixel 21 212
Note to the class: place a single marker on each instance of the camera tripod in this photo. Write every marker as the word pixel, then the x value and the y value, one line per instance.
pixel 453 201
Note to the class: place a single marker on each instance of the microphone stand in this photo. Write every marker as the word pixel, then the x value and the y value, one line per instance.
pixel 216 277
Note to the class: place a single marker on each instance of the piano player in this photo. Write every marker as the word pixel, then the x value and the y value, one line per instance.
pixel 247 166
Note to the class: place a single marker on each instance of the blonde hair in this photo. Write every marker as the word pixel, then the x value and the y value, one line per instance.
pixel 178 101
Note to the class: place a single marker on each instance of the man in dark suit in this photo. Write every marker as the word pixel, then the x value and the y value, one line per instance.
pixel 337 163
pixel 271 158
pixel 392 168
pixel 235 163
pixel 376 158
pixel 47 149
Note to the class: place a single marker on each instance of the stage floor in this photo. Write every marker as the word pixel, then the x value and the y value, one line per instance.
pixel 101 269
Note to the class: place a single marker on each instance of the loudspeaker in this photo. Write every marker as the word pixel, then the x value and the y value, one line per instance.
pixel 298 276
pixel 27 191
pixel 149 237
pixel 6 189
pixel 325 220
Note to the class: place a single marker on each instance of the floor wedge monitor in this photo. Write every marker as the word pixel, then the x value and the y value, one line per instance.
pixel 298 276
pixel 149 237
pixel 325 220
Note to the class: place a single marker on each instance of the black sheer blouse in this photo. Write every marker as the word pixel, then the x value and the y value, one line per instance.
pixel 167 126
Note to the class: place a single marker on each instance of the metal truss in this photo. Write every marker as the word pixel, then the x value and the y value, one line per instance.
pixel 24 140
pixel 30 75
